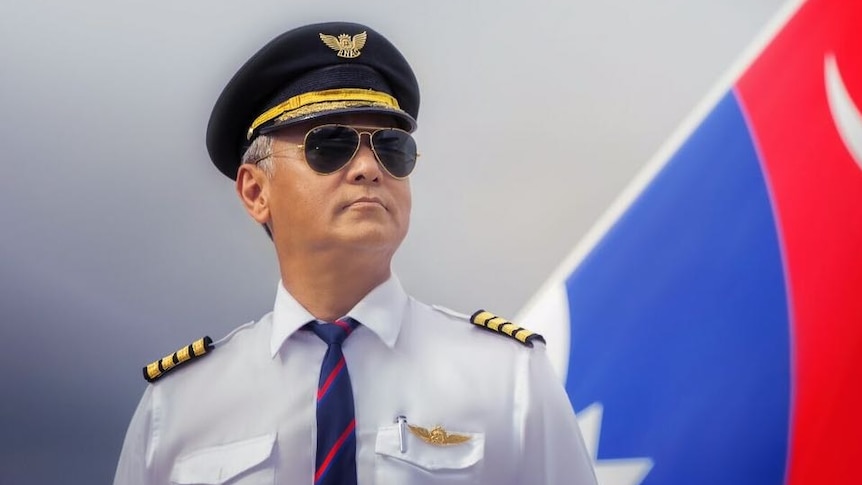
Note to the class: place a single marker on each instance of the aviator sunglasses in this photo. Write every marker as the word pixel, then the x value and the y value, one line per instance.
pixel 329 148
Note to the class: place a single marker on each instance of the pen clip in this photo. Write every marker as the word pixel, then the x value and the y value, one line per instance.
pixel 402 433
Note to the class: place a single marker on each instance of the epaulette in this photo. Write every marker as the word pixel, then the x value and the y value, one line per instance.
pixel 502 326
pixel 159 368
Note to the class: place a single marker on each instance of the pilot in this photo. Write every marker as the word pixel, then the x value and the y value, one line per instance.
pixel 348 380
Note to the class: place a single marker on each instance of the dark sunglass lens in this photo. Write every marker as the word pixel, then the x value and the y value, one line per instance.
pixel 396 150
pixel 328 148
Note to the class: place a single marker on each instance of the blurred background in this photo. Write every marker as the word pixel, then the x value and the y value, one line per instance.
pixel 119 242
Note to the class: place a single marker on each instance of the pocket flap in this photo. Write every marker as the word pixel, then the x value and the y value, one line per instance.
pixel 218 464
pixel 429 456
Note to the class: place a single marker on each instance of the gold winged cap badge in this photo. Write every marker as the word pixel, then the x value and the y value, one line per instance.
pixel 346 46
pixel 438 436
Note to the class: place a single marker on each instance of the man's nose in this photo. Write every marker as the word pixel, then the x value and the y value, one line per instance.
pixel 364 165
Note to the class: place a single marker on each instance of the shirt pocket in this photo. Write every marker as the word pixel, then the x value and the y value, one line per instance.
pixel 245 462
pixel 426 463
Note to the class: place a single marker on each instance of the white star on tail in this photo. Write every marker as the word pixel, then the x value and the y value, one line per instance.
pixel 620 471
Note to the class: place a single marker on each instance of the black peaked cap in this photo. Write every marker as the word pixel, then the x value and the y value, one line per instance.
pixel 308 72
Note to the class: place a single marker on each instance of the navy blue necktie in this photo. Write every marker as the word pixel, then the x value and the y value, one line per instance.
pixel 335 462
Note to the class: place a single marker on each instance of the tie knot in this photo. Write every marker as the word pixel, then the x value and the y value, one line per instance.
pixel 334 333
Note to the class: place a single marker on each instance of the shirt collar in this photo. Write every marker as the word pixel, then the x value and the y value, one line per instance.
pixel 382 311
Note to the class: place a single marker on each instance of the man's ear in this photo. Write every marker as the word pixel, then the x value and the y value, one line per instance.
pixel 252 187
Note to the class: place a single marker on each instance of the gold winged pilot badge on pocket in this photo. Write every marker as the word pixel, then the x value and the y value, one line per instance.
pixel 437 436
pixel 433 449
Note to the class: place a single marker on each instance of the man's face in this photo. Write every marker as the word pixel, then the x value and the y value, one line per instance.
pixel 359 207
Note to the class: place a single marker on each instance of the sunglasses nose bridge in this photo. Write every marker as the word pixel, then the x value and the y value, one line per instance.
pixel 359 138
pixel 370 146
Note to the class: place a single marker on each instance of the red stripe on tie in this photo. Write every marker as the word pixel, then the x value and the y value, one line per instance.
pixel 334 450
pixel 332 375
pixel 344 325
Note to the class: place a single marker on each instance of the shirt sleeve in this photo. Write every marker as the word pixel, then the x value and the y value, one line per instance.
pixel 554 452
pixel 132 468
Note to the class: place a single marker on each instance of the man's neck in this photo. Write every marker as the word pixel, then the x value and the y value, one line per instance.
pixel 330 285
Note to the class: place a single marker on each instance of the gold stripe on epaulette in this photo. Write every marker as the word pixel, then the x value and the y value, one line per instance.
pixel 200 346
pixel 159 368
pixel 489 321
pixel 184 354
pixel 508 328
pixel 494 323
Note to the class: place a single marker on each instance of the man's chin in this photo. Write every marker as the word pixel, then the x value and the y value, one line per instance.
pixel 370 237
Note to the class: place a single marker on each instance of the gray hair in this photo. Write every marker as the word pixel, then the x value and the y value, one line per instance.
pixel 260 152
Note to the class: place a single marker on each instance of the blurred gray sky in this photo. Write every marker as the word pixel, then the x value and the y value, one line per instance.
pixel 119 242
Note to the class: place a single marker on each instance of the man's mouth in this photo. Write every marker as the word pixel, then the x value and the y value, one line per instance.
pixel 366 201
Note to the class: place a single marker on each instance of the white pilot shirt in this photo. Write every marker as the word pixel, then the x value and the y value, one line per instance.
pixel 245 413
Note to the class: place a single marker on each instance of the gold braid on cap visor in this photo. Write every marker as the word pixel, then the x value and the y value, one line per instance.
pixel 327 100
